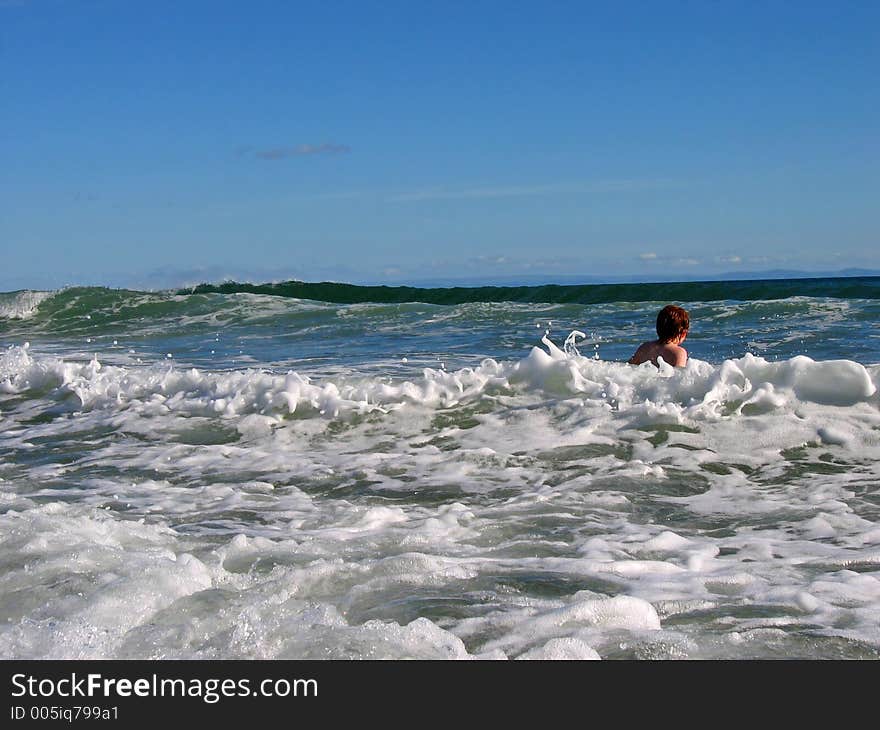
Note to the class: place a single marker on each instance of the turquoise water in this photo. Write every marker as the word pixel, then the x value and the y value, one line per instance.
pixel 775 319
pixel 241 471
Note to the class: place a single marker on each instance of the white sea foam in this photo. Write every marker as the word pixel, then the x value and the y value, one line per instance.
pixel 749 385
pixel 554 506
pixel 22 304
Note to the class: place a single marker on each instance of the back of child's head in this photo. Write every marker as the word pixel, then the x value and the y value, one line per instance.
pixel 672 321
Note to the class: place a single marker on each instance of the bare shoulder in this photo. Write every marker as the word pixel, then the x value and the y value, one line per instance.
pixel 642 354
pixel 675 355
pixel 678 356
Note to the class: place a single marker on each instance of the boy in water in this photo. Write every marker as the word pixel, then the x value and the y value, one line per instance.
pixel 673 324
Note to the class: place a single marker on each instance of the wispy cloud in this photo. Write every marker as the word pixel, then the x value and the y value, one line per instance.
pixel 661 260
pixel 302 150
pixel 525 191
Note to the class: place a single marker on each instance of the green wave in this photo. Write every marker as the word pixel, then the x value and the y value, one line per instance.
pixel 70 310
pixel 691 291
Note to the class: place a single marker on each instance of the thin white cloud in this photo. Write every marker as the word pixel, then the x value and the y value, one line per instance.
pixel 303 150
pixel 527 191
pixel 649 256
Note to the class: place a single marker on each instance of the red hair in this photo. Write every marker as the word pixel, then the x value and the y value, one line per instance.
pixel 672 322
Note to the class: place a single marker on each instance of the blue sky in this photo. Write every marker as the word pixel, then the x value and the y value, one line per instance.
pixel 172 142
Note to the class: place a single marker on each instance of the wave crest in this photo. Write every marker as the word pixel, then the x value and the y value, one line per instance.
pixel 22 304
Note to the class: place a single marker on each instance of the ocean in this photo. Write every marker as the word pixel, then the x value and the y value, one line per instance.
pixel 305 471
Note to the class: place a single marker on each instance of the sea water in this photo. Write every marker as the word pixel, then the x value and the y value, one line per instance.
pixel 240 472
